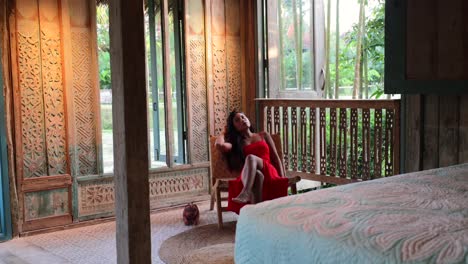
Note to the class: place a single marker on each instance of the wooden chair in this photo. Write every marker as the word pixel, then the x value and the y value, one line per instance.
pixel 221 175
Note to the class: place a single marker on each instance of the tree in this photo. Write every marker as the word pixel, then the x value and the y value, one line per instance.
pixel 360 33
pixel 102 26
pixel 296 44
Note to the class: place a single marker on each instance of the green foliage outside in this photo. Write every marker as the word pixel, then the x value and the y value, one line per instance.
pixel 102 25
pixel 102 19
pixel 372 48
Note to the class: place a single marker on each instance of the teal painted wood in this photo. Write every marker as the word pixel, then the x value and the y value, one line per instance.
pixel 180 82
pixel 5 214
pixel 395 59
pixel 154 83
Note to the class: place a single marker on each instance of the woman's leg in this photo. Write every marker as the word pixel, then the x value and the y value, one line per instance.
pixel 257 187
pixel 249 173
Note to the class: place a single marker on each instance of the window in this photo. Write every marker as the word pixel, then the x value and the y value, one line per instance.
pixel 325 48
pixel 156 93
pixel 158 130
pixel 292 33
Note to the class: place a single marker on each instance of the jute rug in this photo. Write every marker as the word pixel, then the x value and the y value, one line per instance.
pixel 204 244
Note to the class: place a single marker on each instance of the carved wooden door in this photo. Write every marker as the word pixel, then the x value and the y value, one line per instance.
pixel 42 164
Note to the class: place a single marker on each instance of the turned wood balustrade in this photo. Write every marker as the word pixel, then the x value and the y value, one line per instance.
pixel 335 141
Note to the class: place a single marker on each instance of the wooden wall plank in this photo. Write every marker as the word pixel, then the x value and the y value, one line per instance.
pixel 448 130
pixel 248 57
pixel 413 133
pixel 463 130
pixel 430 145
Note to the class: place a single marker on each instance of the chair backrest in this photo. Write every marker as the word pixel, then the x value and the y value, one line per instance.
pixel 219 165
pixel 277 140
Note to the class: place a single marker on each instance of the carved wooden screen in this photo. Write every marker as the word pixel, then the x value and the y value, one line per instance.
pixel 55 106
pixel 42 159
pixel 225 64
pixel 196 80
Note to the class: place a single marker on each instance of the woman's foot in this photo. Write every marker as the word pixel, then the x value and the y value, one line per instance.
pixel 243 197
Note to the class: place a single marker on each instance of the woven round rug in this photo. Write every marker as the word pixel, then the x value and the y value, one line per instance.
pixel 203 244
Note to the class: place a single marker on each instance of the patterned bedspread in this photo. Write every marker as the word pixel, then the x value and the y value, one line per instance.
pixel 410 218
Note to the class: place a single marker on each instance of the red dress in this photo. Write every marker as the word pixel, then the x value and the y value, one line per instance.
pixel 274 186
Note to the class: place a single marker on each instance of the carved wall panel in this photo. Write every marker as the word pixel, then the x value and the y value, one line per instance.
pixel 199 120
pixel 169 184
pixel 196 80
pixel 233 54
pixel 226 61
pixel 233 62
pixel 219 84
pixel 97 197
pixel 41 105
pixel 53 91
pixel 30 100
pixel 84 102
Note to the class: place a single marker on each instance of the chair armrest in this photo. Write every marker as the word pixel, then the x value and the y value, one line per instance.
pixel 293 180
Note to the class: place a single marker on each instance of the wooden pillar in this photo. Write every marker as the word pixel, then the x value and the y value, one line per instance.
pixel 130 131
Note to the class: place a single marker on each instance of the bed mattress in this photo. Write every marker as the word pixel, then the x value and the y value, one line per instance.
pixel 410 218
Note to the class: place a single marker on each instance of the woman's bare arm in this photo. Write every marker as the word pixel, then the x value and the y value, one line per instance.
pixel 222 145
pixel 274 155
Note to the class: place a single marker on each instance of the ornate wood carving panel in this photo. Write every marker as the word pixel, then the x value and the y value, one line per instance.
pixel 29 101
pixel 234 73
pixel 226 60
pixel 84 102
pixel 52 85
pixel 40 103
pixel 233 53
pixel 164 185
pixel 97 197
pixel 199 144
pixel 196 80
pixel 219 84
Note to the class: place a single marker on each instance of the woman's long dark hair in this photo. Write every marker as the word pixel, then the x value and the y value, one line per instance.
pixel 236 156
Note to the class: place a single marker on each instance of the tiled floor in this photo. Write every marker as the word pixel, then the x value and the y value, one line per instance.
pixel 96 244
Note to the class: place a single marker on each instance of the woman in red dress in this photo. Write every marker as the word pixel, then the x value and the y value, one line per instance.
pixel 261 178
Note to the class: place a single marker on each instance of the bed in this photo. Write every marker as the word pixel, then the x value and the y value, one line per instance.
pixel 410 218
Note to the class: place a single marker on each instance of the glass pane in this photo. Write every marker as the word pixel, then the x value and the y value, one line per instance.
pixel 296 40
pixel 102 26
pixel 156 92
pixel 155 77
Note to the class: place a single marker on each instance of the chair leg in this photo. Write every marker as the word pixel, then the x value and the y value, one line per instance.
pixel 212 199
pixel 294 188
pixel 218 208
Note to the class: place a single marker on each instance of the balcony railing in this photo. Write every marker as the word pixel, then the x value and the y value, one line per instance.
pixel 335 141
